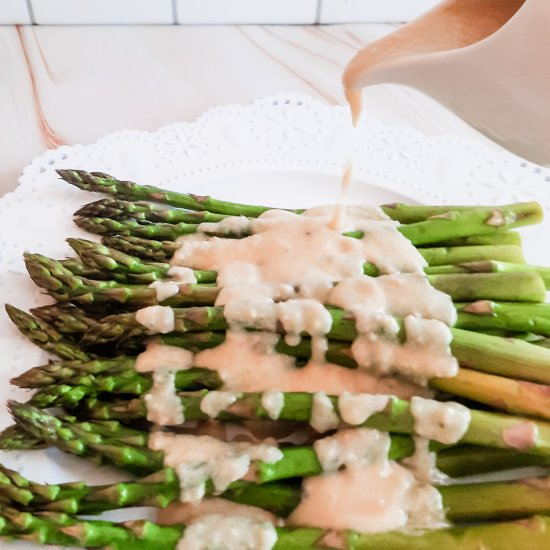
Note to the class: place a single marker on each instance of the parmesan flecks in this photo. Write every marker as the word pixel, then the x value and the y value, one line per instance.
pixel 157 319
pixel 356 409
pixel 323 416
pixel 214 402
pixel 352 448
pixel 198 459
pixel 164 406
pixel 443 422
pixel 215 532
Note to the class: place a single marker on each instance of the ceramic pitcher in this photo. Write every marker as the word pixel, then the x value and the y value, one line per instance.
pixel 487 60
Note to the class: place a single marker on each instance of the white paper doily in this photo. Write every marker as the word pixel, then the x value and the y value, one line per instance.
pixel 280 150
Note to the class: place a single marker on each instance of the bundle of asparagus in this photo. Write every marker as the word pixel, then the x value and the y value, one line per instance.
pixel 500 339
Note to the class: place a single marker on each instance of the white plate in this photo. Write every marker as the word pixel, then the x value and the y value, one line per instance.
pixel 280 151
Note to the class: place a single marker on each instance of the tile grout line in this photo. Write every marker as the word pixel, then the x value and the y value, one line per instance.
pixel 31 11
pixel 318 12
pixel 175 12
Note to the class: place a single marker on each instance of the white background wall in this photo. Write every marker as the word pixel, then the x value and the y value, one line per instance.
pixel 67 12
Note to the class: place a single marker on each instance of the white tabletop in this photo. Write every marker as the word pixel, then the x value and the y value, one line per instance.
pixel 68 85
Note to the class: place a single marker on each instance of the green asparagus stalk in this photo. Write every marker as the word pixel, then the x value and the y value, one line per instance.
pixel 67 318
pixel 489 266
pixel 83 440
pixel 70 392
pixel 148 249
pixel 428 232
pixel 103 183
pixel 98 256
pixel 505 237
pixel 147 211
pixel 44 336
pixel 59 528
pixel 501 356
pixel 513 396
pixel 468 502
pixel 526 534
pixel 467 460
pixel 488 315
pixel 486 428
pixel 102 258
pixel 162 251
pixel 509 215
pixel 406 213
pixel 64 286
pixel 57 372
pixel 116 209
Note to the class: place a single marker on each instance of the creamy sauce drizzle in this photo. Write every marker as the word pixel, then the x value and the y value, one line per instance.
pixel 214 402
pixel 356 409
pixel 246 362
pixel 323 415
pixel 178 276
pixel 282 274
pixel 157 319
pixel 218 532
pixel 197 459
pixel 188 512
pixel 352 448
pixel 164 407
pixel 443 422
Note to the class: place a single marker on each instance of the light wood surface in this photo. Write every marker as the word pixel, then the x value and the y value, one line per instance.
pixel 68 85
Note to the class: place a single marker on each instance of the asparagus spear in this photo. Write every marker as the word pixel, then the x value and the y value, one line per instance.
pixel 480 501
pixel 147 211
pixel 504 215
pixel 104 259
pixel 488 266
pixel 67 318
pixel 526 534
pixel 44 336
pixel 103 183
pixel 116 209
pixel 59 528
pixel 161 251
pixel 486 428
pixel 149 249
pixel 487 315
pixel 65 286
pixel 83 439
pixel 70 392
pixel 428 232
pixel 533 320
pixel 467 460
pixel 505 237
pixel 513 396
pixel 98 256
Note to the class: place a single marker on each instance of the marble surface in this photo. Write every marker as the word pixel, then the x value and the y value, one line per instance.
pixel 68 85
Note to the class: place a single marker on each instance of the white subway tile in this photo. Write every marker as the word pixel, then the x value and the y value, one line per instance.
pixel 354 11
pixel 247 11
pixel 14 12
pixel 102 12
